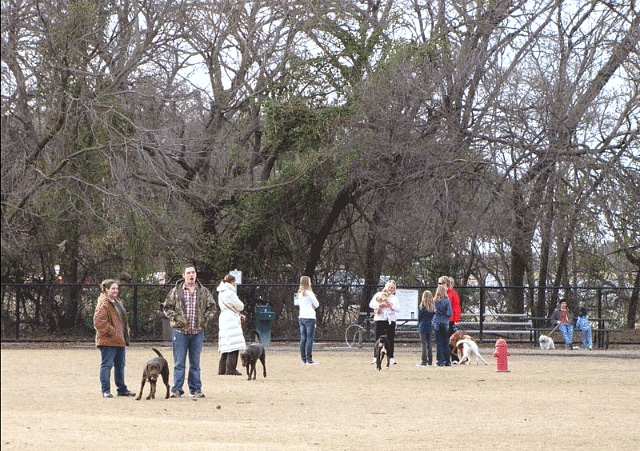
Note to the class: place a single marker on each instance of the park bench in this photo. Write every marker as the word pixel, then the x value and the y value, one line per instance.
pixel 601 328
pixel 516 327
pixel 489 327
pixel 407 326
pixel 513 327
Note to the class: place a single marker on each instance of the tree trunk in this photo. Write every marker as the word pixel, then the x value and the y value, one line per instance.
pixel 339 204
pixel 632 313
pixel 372 267
pixel 633 303
pixel 519 252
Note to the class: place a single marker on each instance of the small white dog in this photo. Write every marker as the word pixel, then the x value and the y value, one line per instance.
pixel 469 349
pixel 546 342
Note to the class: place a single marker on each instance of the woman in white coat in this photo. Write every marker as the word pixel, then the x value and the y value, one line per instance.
pixel 308 303
pixel 230 334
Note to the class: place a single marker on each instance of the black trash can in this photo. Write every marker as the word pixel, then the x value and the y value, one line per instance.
pixel 265 316
pixel 167 331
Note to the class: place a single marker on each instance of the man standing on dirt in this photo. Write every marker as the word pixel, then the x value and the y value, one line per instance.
pixel 189 306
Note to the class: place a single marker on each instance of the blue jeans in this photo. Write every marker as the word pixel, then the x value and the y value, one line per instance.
pixel 307 334
pixel 587 340
pixel 427 352
pixel 566 329
pixel 112 356
pixel 442 344
pixel 184 344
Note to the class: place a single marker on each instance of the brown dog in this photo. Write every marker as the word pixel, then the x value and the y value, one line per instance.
pixel 155 367
pixel 250 357
pixel 456 351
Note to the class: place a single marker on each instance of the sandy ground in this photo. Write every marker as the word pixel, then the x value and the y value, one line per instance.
pixel 557 400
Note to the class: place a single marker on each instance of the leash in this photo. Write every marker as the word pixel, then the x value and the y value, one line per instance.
pixel 459 328
pixel 554 329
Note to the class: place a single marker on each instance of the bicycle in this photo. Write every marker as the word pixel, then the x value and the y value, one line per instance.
pixel 355 334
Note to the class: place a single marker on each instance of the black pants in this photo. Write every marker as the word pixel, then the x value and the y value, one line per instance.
pixel 388 329
pixel 228 363
pixel 454 357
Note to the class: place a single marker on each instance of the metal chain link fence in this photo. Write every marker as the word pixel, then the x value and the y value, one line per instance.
pixel 61 312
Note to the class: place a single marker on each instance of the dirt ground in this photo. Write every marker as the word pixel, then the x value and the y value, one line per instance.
pixel 555 400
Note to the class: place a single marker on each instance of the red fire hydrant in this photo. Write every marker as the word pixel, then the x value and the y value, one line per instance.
pixel 501 353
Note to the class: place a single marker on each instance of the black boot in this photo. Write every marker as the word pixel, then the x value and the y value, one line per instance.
pixel 232 362
pixel 222 364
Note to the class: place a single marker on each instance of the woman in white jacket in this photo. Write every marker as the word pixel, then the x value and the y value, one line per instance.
pixel 308 303
pixel 230 334
pixel 386 306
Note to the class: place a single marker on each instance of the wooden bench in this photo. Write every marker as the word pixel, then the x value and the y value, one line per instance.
pixel 407 326
pixel 493 326
pixel 515 327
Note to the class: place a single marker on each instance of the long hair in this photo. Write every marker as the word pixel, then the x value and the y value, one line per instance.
pixel 229 279
pixel 390 284
pixel 305 284
pixel 441 292
pixel 427 301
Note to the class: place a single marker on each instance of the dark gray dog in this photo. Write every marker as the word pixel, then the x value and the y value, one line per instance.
pixel 155 367
pixel 250 357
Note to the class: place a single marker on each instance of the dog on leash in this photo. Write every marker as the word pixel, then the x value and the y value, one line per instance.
pixel 380 351
pixel 546 343
pixel 157 366
pixel 469 349
pixel 456 351
pixel 249 358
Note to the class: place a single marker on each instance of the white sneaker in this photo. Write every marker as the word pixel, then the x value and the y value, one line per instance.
pixel 313 362
pixel 392 361
pixel 374 361
pixel 421 365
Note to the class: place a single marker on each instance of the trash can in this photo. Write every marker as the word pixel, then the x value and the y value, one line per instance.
pixel 167 331
pixel 265 316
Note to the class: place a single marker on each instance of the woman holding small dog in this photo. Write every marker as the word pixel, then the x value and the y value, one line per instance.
pixel 308 303
pixel 230 334
pixel 385 307
pixel 112 336
pixel 441 326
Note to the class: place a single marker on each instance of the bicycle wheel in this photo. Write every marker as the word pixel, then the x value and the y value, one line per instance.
pixel 354 335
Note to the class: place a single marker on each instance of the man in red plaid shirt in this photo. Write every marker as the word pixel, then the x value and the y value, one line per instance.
pixel 189 306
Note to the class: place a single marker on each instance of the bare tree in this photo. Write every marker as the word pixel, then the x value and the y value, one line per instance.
pixel 393 137
pixel 69 109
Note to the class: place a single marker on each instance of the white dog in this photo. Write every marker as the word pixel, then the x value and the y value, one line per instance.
pixel 546 343
pixel 469 349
